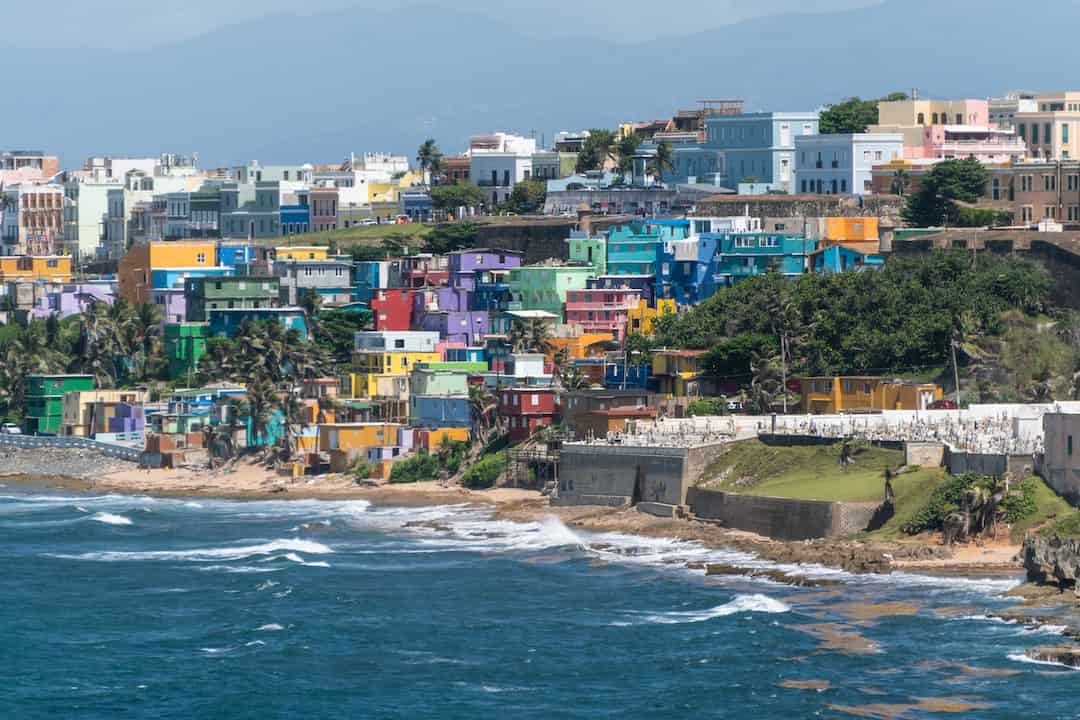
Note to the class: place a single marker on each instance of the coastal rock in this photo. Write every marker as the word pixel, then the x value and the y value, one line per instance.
pixel 1052 560
pixel 774 575
pixel 428 524
pixel 1068 655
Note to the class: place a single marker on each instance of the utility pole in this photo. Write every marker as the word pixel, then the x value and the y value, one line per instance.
pixel 956 375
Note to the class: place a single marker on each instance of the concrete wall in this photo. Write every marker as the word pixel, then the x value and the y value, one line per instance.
pixel 540 239
pixel 780 518
pixel 924 454
pixel 619 475
pixel 1061 462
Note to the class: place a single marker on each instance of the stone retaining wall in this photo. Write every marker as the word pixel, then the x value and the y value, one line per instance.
pixel 780 518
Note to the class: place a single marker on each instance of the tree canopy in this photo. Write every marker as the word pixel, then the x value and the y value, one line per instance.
pixel 598 148
pixel 449 198
pixel 853 115
pixel 895 319
pixel 527 197
pixel 949 182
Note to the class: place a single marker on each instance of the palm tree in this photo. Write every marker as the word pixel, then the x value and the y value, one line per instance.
pixel 533 335
pixel 262 402
pixel 482 406
pixel 429 157
pixel 571 379
pixel 663 160
pixel 767 384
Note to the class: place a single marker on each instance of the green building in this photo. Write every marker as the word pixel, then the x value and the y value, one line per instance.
pixel 588 250
pixel 425 381
pixel 185 345
pixel 45 400
pixel 544 287
pixel 229 293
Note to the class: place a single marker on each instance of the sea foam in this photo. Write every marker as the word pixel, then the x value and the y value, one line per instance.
pixel 755 603
pixel 111 519
pixel 240 552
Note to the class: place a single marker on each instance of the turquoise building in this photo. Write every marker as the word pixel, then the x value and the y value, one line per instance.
pixel 632 249
pixel 742 255
pixel 845 258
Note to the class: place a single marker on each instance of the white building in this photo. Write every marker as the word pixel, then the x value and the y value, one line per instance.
pixel 498 162
pixel 253 172
pixel 1003 110
pixel 842 164
pixel 410 341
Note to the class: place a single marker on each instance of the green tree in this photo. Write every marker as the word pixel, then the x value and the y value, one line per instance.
pixel 527 197
pixel 853 115
pixel 429 158
pixel 449 198
pixel 452 236
pixel 597 150
pixel 624 152
pixel 949 182
pixel 663 161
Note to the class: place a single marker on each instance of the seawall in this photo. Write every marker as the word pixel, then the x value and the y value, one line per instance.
pixel 781 518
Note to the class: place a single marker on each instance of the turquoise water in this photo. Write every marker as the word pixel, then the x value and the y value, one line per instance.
pixel 126 607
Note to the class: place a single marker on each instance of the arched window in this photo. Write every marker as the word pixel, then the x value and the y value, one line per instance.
pixel 936 119
pixel 922 119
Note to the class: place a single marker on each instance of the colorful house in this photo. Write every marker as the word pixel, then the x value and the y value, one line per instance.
pixel 392 309
pixel 642 319
pixel 847 257
pixel 491 291
pixel 601 310
pixel 51 268
pixel 425 270
pixel 185 345
pixel 644 284
pixel 440 411
pixel 346 443
pixel 466 327
pixel 678 372
pixel 586 249
pixel 428 380
pixel 527 410
pixel 45 400
pixel 465 264
pixel 632 249
pixel 685 269
pixel 227 321
pixel 601 423
pixel 301 252
pixel 135 269
pixel 241 292
pixel 744 255
pixel 854 394
pixel 431 439
pixel 544 287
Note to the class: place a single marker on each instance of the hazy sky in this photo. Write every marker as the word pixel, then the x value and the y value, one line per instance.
pixel 127 23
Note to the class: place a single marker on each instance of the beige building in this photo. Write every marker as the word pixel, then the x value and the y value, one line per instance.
pixel 910 118
pixel 1051 131
pixel 1037 191
pixel 1061 459
pixel 87 412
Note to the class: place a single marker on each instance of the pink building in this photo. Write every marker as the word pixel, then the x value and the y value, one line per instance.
pixel 324 208
pixel 33 220
pixel 601 309
pixel 985 143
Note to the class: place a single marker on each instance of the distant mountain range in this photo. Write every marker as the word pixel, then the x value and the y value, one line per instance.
pixel 312 88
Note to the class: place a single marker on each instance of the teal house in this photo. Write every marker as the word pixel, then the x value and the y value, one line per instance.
pixel 586 249
pixel 632 249
pixel 227 321
pixel 544 287
pixel 846 257
pixel 742 255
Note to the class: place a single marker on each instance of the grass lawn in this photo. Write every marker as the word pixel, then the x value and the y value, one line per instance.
pixel 1050 507
pixel 371 235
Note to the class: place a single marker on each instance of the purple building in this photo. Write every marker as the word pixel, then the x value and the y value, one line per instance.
pixel 458 327
pixel 453 299
pixel 72 299
pixel 173 304
pixel 464 264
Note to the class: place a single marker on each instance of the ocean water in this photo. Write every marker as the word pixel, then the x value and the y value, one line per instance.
pixel 131 607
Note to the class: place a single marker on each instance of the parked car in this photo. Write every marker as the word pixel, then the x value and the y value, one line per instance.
pixel 10 428
pixel 368 221
pixel 942 405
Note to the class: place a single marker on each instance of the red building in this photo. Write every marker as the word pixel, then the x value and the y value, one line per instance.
pixel 527 409
pixel 425 270
pixel 392 308
pixel 601 309
pixel 324 208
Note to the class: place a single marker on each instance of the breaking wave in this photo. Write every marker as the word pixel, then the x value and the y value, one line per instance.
pixel 110 519
pixel 755 603
pixel 209 554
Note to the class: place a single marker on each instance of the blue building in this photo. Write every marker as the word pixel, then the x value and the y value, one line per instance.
pixel 685 268
pixel 166 278
pixel 755 150
pixel 440 411
pixel 846 257
pixel 416 204
pixel 295 219
pixel 227 321
pixel 842 164
pixel 743 255
pixel 235 255
pixel 491 291
pixel 466 354
pixel 631 249
pixel 631 377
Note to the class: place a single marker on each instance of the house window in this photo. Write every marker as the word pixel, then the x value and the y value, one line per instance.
pixel 1026 213
pixel 744 242
pixel 922 119
pixel 535 400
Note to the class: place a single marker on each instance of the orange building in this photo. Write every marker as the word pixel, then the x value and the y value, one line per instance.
pixel 851 229
pixel 134 272
pixel 833 395
pixel 584 345
pixel 53 268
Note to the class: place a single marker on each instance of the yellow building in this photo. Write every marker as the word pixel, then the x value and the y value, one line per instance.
pixel 432 440
pixel 302 252
pixel 910 118
pixel 582 346
pixel 834 395
pixel 642 319
pixel 678 372
pixel 1053 131
pixel 851 229
pixel 53 268
pixel 377 385
pixel 347 443
pixel 134 271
